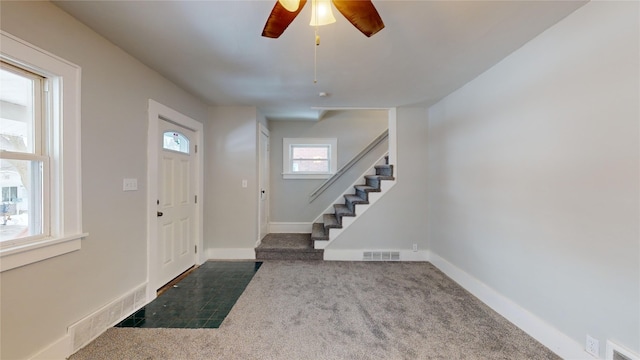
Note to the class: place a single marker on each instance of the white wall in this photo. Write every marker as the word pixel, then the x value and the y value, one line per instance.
pixel 39 301
pixel 231 211
pixel 354 129
pixel 534 176
pixel 397 220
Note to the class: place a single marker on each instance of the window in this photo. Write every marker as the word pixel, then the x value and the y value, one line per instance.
pixel 23 164
pixel 175 141
pixel 40 213
pixel 309 158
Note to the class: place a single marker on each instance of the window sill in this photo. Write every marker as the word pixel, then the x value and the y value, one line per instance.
pixel 21 255
pixel 306 176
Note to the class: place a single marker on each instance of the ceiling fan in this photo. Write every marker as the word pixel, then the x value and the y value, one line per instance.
pixel 361 13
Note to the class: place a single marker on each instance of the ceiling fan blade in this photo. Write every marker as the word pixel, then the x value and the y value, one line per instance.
pixel 279 20
pixel 362 14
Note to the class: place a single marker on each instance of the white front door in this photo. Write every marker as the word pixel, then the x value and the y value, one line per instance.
pixel 176 201
pixel 264 182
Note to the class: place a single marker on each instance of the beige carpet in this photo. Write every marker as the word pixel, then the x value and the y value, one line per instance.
pixel 337 310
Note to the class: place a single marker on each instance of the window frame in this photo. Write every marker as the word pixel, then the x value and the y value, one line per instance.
pixel 61 140
pixel 287 158
pixel 181 135
pixel 36 154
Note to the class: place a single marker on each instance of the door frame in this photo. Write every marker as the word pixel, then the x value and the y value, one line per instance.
pixel 157 112
pixel 263 130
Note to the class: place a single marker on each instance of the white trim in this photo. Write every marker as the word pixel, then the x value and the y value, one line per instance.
pixel 47 248
pixel 393 140
pixel 93 325
pixel 549 336
pixel 356 255
pixel 59 349
pixel 157 112
pixel 263 178
pixel 611 346
pixel 231 254
pixel 290 227
pixel 307 176
pixel 64 192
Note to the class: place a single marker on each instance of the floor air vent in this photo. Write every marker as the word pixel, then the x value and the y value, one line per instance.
pixel 381 256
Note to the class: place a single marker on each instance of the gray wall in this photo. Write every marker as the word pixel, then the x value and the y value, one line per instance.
pixel 231 211
pixel 534 176
pixel 40 300
pixel 398 220
pixel 354 129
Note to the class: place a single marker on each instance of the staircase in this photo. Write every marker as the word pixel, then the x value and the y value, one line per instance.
pixel 310 246
pixel 321 230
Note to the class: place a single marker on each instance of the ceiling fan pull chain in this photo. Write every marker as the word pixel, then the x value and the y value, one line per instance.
pixel 315 57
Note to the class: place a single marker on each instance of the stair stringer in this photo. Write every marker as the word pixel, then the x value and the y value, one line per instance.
pixel 385 186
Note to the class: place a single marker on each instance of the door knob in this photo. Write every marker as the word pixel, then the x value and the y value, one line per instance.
pixel 160 213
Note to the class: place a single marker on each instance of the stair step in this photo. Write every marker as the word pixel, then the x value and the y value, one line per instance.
pixel 342 210
pixel 366 188
pixel 330 222
pixel 374 180
pixel 384 170
pixel 313 254
pixel 318 232
pixel 352 200
pixel 379 177
pixel 288 247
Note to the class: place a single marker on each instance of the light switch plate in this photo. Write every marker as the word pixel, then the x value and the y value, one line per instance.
pixel 129 184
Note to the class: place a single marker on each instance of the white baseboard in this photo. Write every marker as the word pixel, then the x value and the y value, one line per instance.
pixel 93 325
pixel 357 255
pixel 290 227
pixel 60 349
pixel 231 254
pixel 549 336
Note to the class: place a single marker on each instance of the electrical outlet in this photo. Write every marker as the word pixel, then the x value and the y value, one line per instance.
pixel 415 247
pixel 593 346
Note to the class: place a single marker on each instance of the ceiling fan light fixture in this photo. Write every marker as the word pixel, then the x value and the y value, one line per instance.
pixel 290 5
pixel 321 13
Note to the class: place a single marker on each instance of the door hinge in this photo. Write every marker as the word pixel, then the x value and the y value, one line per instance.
pixel 196 249
pixel 196 149
pixel 196 199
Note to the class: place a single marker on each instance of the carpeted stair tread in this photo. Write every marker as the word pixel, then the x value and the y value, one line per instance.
pixel 386 170
pixel 366 188
pixel 318 232
pixel 355 199
pixel 342 210
pixel 379 177
pixel 288 247
pixel 330 221
pixel 352 200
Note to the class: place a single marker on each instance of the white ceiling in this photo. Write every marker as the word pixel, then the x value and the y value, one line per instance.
pixel 214 49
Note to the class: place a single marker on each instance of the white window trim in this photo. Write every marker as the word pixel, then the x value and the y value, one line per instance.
pixel 65 197
pixel 289 174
